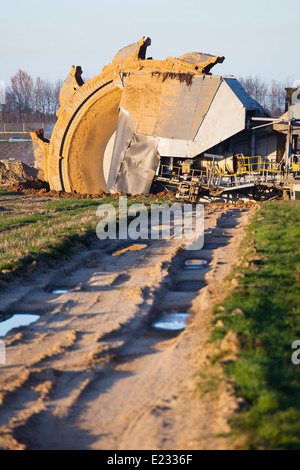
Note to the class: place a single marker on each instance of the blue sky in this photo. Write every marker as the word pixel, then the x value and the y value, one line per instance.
pixel 257 37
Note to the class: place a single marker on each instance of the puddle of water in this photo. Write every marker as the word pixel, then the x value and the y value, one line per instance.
pixel 195 264
pixel 227 228
pixel 17 320
pixel 189 286
pixel 135 247
pixel 59 291
pixel 171 321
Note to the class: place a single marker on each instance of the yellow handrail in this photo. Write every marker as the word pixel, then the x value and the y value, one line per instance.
pixel 246 166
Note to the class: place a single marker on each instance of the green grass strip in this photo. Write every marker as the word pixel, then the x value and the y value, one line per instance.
pixel 53 232
pixel 5 192
pixel 269 297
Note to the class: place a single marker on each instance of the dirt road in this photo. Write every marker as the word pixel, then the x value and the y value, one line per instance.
pixel 92 373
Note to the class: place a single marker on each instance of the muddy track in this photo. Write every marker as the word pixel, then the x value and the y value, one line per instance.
pixel 92 373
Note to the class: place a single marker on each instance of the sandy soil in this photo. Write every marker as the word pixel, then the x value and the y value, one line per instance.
pixel 14 172
pixel 93 374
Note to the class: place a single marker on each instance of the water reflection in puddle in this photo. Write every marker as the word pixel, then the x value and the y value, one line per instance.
pixel 135 247
pixel 195 264
pixel 59 291
pixel 171 321
pixel 17 320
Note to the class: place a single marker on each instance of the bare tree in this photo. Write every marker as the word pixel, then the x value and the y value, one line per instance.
pixel 39 108
pixel 257 89
pixel 271 96
pixel 30 100
pixel 56 91
pixel 22 87
pixel 277 98
pixel 8 109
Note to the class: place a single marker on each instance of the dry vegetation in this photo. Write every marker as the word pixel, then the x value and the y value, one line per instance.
pixel 33 228
pixel 42 229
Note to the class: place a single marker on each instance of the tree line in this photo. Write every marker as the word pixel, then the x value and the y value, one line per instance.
pixel 29 100
pixel 270 95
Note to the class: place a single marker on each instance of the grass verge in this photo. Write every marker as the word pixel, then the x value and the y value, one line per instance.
pixel 261 320
pixel 42 230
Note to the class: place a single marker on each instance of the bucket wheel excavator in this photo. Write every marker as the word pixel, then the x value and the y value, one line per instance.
pixel 112 130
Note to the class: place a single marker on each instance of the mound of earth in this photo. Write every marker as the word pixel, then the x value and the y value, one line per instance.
pixel 39 187
pixel 13 172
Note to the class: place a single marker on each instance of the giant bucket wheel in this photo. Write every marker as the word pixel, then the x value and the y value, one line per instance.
pixel 78 155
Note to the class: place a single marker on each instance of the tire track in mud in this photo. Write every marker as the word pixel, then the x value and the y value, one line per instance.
pixel 155 417
pixel 62 355
pixel 92 372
